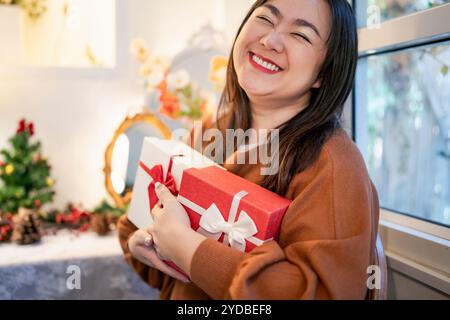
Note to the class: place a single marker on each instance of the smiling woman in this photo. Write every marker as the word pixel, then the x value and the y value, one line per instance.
pixel 315 48
pixel 291 69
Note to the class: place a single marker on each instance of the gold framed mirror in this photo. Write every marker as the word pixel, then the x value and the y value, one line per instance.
pixel 123 152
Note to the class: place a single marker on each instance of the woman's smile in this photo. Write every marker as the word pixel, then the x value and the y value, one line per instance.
pixel 263 64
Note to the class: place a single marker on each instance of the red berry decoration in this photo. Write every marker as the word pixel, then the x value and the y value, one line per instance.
pixel 22 126
pixel 31 128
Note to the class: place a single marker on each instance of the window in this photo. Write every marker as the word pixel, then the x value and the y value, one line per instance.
pixel 402 107
pixel 389 9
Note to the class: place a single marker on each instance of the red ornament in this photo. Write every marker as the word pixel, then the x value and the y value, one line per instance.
pixel 5 228
pixel 31 128
pixel 84 227
pixel 37 203
pixel 2 164
pixel 22 125
pixel 74 218
pixel 4 233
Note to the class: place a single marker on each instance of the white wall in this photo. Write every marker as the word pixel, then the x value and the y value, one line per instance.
pixel 77 110
pixel 60 36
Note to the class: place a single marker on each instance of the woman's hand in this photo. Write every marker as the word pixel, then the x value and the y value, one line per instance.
pixel 171 230
pixel 141 247
pixel 170 220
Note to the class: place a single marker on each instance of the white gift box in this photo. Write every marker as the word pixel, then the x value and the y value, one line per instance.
pixel 160 152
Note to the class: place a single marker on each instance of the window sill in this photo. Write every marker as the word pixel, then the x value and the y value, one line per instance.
pixel 417 248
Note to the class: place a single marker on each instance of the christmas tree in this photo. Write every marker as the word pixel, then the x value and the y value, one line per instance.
pixel 24 174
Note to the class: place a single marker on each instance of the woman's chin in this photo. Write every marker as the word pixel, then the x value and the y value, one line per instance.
pixel 257 92
pixel 253 88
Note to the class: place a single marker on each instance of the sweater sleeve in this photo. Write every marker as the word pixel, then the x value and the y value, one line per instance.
pixel 152 276
pixel 324 247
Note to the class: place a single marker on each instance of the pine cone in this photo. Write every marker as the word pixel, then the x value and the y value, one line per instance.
pixel 26 227
pixel 100 223
pixel 112 221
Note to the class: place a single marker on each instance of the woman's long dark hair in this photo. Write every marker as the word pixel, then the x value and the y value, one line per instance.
pixel 302 137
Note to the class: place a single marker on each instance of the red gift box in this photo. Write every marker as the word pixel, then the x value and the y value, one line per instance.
pixel 230 209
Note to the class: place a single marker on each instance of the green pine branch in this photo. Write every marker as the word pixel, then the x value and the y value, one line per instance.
pixel 24 175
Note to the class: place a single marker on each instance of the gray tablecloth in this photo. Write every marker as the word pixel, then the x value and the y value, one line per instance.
pixel 49 270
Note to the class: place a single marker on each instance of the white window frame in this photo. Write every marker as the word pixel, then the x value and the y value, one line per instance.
pixel 414 247
pixel 414 29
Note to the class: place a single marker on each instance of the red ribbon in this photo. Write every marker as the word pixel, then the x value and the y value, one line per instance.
pixel 157 175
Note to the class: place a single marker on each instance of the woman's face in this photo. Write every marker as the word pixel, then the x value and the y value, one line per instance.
pixel 281 48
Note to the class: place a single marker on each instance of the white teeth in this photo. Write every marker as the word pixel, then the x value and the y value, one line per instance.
pixel 265 64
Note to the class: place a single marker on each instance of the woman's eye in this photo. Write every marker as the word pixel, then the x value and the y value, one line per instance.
pixel 265 19
pixel 299 35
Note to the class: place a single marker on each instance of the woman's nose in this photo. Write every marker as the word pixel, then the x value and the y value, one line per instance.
pixel 272 41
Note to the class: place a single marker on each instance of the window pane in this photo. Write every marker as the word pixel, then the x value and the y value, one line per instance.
pixel 403 128
pixel 373 11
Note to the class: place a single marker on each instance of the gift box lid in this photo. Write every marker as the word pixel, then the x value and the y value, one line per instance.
pixel 158 151
pixel 155 152
pixel 211 184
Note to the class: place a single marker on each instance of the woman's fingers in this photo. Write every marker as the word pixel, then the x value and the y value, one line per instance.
pixel 145 250
pixel 148 241
pixel 164 194
pixel 149 255
pixel 142 237
pixel 159 254
pixel 157 263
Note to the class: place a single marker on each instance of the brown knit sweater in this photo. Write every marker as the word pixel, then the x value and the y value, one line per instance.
pixel 326 242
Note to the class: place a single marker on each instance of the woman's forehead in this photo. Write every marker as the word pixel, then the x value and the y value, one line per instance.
pixel 316 12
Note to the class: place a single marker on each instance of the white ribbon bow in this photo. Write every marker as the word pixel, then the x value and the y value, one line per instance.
pixel 212 223
pixel 235 232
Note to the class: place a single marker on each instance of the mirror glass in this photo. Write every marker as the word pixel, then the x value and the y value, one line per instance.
pixel 123 153
pixel 126 155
